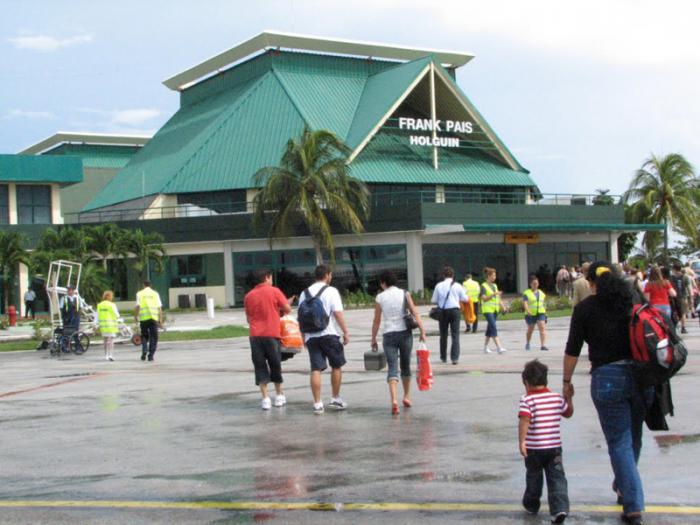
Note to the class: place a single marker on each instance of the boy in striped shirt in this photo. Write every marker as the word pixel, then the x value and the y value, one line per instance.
pixel 540 443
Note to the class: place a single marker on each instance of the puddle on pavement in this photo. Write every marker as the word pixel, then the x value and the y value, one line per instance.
pixel 676 439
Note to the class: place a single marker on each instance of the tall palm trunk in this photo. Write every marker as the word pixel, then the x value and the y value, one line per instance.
pixel 319 252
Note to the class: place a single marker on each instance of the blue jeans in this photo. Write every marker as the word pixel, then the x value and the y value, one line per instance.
pixel 449 322
pixel 541 463
pixel 397 348
pixel 621 406
pixel 491 329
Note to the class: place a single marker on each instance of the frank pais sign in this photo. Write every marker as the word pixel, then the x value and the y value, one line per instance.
pixel 439 126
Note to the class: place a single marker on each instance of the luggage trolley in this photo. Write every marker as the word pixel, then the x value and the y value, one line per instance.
pixel 61 275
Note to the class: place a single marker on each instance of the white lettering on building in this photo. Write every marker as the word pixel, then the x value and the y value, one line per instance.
pixel 426 124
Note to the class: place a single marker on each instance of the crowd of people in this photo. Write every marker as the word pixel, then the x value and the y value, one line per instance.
pixel 603 296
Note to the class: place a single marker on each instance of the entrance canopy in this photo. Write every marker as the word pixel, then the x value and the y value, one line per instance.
pixel 436 229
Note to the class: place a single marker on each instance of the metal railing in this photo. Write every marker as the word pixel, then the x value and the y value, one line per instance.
pixel 377 200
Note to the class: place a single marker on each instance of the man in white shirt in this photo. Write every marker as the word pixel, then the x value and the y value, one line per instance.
pixel 325 346
pixel 447 296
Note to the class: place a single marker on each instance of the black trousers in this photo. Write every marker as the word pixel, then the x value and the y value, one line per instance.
pixel 266 355
pixel 149 336
pixel 29 307
pixel 477 311
pixel 449 322
pixel 540 464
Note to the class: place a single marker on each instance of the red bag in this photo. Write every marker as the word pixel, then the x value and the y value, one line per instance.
pixel 424 376
pixel 290 340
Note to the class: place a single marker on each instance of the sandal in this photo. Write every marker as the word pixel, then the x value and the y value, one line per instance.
pixel 394 409
pixel 407 403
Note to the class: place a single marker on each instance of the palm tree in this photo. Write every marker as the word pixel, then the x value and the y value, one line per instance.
pixel 105 240
pixel 665 191
pixel 93 282
pixel 147 249
pixel 12 254
pixel 602 198
pixel 311 186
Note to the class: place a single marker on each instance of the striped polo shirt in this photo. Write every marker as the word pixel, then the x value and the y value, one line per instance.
pixel 544 409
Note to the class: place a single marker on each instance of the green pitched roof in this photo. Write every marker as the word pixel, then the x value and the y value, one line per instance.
pixel 236 122
pixel 381 91
pixel 29 168
pixel 97 156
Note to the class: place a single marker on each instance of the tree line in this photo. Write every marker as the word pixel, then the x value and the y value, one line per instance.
pixel 91 246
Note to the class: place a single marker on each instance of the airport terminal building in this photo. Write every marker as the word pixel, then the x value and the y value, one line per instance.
pixel 444 188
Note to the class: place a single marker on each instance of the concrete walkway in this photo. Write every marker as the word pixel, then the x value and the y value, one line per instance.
pixel 183 440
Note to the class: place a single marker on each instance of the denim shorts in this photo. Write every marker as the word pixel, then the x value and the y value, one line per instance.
pixel 491 329
pixel 397 348
pixel 533 319
pixel 327 347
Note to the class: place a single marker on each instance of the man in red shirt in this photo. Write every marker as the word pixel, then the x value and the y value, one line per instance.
pixel 264 305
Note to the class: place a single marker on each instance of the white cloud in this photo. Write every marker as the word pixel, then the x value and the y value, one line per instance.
pixel 631 32
pixel 48 43
pixel 123 117
pixel 134 117
pixel 34 115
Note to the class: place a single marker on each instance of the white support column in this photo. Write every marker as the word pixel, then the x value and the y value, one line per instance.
pixel 414 261
pixel 228 274
pixel 56 214
pixel 12 202
pixel 612 247
pixel 23 286
pixel 521 265
pixel 433 113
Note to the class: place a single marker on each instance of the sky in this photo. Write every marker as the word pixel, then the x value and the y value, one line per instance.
pixel 581 92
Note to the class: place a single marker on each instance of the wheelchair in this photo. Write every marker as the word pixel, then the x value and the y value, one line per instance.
pixel 76 342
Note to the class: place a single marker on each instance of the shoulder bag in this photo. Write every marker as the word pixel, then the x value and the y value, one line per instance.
pixel 436 311
pixel 409 319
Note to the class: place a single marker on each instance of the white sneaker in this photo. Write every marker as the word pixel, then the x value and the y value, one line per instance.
pixel 338 403
pixel 110 358
pixel 487 350
pixel 502 350
pixel 280 400
pixel 266 403
pixel 106 358
pixel 318 408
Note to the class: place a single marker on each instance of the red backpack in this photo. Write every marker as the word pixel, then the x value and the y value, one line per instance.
pixel 656 348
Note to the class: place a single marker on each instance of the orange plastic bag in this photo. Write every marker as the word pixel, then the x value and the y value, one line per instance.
pixel 468 312
pixel 290 340
pixel 424 377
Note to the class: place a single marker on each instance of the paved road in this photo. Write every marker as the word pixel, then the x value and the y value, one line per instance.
pixel 183 440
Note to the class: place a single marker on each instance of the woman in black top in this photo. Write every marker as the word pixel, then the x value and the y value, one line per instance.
pixel 602 321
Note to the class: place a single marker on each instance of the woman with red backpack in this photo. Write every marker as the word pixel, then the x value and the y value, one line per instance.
pixel 602 320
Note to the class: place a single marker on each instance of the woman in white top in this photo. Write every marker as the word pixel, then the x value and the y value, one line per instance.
pixel 397 339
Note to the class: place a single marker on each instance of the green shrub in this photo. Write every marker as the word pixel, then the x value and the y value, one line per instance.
pixel 40 329
pixel 516 305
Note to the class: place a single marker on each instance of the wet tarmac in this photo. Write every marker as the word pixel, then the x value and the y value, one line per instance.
pixel 149 439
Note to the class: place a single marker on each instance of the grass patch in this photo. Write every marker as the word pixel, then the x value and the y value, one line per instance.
pixel 9 346
pixel 520 315
pixel 219 332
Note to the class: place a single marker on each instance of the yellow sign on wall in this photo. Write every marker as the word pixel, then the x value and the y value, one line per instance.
pixel 522 238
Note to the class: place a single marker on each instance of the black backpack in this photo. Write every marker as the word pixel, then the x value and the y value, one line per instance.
pixel 311 313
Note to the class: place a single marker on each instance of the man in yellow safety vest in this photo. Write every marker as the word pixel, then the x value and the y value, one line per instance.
pixel 149 314
pixel 473 290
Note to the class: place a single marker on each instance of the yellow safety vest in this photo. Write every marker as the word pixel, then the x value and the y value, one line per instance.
pixel 107 318
pixel 490 306
pixel 148 300
pixel 473 290
pixel 536 302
